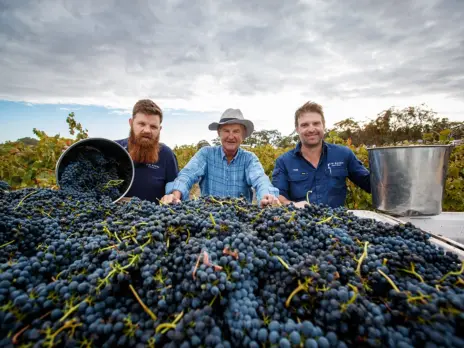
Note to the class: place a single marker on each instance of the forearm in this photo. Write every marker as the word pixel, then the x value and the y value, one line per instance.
pixel 187 177
pixel 266 188
pixel 179 191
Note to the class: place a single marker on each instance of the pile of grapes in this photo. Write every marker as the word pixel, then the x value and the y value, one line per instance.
pixel 77 271
pixel 94 174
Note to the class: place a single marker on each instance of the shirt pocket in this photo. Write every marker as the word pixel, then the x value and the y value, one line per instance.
pixel 337 177
pixel 298 184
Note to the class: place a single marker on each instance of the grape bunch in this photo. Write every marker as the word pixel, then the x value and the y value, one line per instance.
pixel 77 270
pixel 94 174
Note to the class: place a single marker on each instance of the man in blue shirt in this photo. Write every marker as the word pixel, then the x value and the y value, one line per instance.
pixel 155 163
pixel 226 170
pixel 315 169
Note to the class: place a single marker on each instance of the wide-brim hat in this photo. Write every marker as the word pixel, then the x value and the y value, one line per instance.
pixel 233 116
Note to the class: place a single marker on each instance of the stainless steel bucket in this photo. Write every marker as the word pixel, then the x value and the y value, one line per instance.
pixel 109 148
pixel 409 180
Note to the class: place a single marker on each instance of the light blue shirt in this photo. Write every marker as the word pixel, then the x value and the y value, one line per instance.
pixel 209 167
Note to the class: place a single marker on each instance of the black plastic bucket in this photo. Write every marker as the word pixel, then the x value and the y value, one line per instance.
pixel 107 147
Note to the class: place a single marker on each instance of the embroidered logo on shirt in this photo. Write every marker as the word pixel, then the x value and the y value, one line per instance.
pixel 152 166
pixel 295 170
pixel 335 164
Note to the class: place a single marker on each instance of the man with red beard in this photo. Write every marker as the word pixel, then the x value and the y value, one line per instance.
pixel 155 163
pixel 316 171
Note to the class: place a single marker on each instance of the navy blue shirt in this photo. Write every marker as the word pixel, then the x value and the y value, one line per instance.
pixel 294 176
pixel 150 179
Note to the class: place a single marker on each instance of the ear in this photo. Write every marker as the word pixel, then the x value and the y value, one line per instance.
pixel 130 122
pixel 161 127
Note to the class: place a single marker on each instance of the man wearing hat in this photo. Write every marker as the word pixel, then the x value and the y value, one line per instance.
pixel 226 170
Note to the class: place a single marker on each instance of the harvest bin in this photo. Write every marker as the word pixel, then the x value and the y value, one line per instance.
pixel 409 180
pixel 109 149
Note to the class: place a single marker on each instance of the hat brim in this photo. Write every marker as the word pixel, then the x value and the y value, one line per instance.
pixel 249 126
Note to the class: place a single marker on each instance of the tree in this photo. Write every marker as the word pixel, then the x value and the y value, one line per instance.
pixel 202 143
pixel 289 140
pixel 264 137
pixel 398 126
pixel 28 141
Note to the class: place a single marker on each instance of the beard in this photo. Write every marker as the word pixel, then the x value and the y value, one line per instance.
pixel 143 149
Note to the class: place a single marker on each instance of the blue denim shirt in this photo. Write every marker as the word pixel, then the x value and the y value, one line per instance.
pixel 216 177
pixel 294 176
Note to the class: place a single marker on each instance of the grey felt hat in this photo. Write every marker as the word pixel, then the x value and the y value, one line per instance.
pixel 233 116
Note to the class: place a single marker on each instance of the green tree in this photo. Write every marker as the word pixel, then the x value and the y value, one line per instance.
pixel 28 141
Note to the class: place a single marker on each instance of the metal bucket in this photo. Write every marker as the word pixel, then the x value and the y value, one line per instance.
pixel 409 180
pixel 109 149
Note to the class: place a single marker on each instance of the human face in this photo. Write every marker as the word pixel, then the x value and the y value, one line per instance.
pixel 310 129
pixel 231 136
pixel 146 128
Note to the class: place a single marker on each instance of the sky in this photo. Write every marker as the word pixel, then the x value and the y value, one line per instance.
pixel 196 59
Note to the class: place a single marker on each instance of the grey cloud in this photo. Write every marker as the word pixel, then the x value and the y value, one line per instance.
pixel 351 49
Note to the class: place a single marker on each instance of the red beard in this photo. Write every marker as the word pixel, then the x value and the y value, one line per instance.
pixel 142 149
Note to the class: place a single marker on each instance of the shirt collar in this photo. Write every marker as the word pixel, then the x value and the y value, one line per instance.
pixel 297 150
pixel 223 154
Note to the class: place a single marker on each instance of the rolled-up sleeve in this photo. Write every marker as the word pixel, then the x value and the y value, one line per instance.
pixel 358 174
pixel 258 179
pixel 189 175
pixel 280 177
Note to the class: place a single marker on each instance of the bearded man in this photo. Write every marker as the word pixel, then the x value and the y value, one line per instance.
pixel 316 171
pixel 155 163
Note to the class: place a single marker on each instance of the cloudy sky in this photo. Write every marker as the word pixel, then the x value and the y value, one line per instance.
pixel 196 59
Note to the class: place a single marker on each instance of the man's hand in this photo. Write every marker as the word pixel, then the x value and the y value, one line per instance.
pixel 269 200
pixel 172 198
pixel 300 204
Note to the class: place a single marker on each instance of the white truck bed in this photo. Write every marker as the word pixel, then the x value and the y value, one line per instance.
pixel 447 229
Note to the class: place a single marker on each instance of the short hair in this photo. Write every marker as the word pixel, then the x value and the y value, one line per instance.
pixel 309 107
pixel 244 129
pixel 148 107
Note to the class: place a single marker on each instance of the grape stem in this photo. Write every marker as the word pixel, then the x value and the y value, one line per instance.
pixel 456 273
pixel 71 310
pixel 413 272
pixel 389 280
pixel 144 306
pixel 167 326
pixel 361 259
pixel 6 244
pixel 22 200
pixel 227 251
pixel 20 332
pixel 352 299
pixel 282 262
pixel 301 287
pixel 196 266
